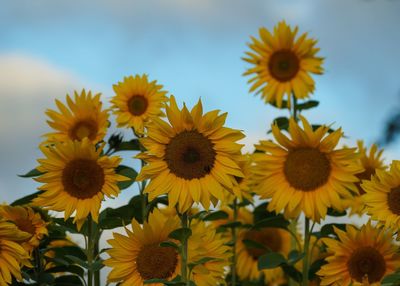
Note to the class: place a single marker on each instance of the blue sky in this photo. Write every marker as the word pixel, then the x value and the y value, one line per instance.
pixel 194 48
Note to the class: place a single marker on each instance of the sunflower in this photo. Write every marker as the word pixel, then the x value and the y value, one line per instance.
pixel 137 101
pixel 305 173
pixel 282 64
pixel 138 256
pixel 192 159
pixel 12 255
pixel 359 257
pixel 206 242
pixel 28 221
pixel 58 243
pixel 382 196
pixel 273 239
pixel 76 178
pixel 242 190
pixel 83 117
pixel 370 162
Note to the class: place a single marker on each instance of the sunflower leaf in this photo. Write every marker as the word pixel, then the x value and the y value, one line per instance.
pixel 127 172
pixel 307 105
pixel 336 213
pixel 294 256
pixel 68 280
pixel 181 234
pixel 276 221
pixel 391 280
pixel 26 200
pixel 132 145
pixel 201 261
pixel 31 174
pixel 169 244
pixel 216 216
pixel 271 260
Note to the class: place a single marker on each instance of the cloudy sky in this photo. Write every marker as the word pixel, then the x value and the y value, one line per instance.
pixel 49 48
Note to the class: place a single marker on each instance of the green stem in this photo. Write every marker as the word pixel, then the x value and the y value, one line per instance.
pixel 96 255
pixel 89 251
pixel 184 265
pixel 307 232
pixel 294 107
pixel 234 239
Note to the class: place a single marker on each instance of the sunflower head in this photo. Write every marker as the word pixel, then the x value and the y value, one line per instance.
pixel 137 101
pixel 242 190
pixel 82 117
pixel 359 257
pixel 282 64
pixel 382 196
pixel 191 157
pixel 305 172
pixel 27 221
pixel 138 256
pixel 76 178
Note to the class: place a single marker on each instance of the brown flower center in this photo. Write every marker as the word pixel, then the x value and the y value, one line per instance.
pixel 26 226
pixel 283 65
pixel 190 155
pixel 137 105
pixel 366 261
pixel 82 129
pixel 156 262
pixel 83 178
pixel 268 237
pixel 394 200
pixel 366 175
pixel 306 169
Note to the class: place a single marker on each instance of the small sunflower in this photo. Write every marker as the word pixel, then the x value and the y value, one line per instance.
pixel 242 190
pixel 139 256
pixel 273 239
pixel 370 161
pixel 305 173
pixel 76 178
pixel 359 257
pixel 192 158
pixel 382 196
pixel 12 255
pixel 28 221
pixel 137 100
pixel 282 64
pixel 83 117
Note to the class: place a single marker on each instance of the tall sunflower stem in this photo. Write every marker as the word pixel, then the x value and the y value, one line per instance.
pixel 184 264
pixel 307 233
pixel 294 107
pixel 234 239
pixel 90 250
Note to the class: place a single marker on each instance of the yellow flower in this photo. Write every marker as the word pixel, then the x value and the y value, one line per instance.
pixel 242 190
pixel 56 244
pixel 370 162
pixel 12 255
pixel 137 101
pixel 83 117
pixel 76 178
pixel 359 257
pixel 382 197
pixel 273 239
pixel 192 158
pixel 282 64
pixel 305 173
pixel 28 221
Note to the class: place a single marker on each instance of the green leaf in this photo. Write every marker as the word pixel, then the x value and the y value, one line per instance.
pixel 336 213
pixel 112 218
pixel 295 256
pixel 292 272
pixel 328 229
pixel 77 260
pixel 26 200
pixel 253 244
pixel 283 105
pixel 307 105
pixel 392 279
pixel 271 260
pixel 132 145
pixel 277 221
pixel 31 174
pixel 67 225
pixel 97 265
pixel 199 215
pixel 74 269
pixel 127 172
pixel 233 224
pixel 169 244
pixel 201 261
pixel 282 123
pixel 68 280
pixel 181 234
pixel 315 267
pixel 316 126
pixel 216 216
pixel 45 279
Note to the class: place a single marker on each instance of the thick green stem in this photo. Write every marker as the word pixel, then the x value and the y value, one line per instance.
pixel 184 264
pixel 234 239
pixel 294 107
pixel 97 277
pixel 307 232
pixel 90 250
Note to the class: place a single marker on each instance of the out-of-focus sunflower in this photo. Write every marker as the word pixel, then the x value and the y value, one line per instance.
pixel 206 242
pixel 193 158
pixel 138 256
pixel 28 221
pixel 83 117
pixel 76 178
pixel 305 173
pixel 12 255
pixel 359 257
pixel 382 197
pixel 58 243
pixel 137 101
pixel 273 239
pixel 370 161
pixel 242 190
pixel 282 64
